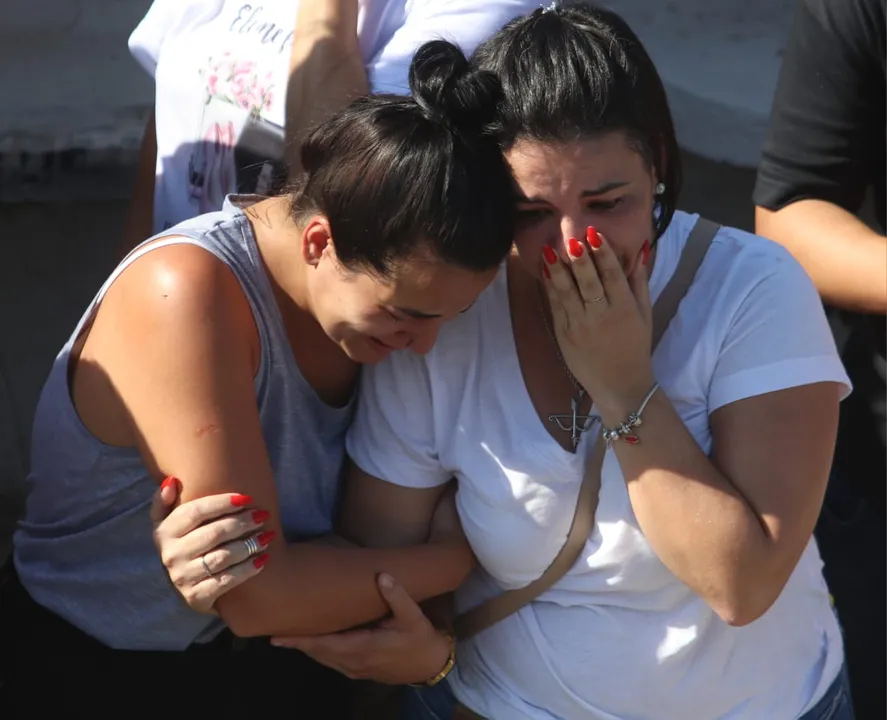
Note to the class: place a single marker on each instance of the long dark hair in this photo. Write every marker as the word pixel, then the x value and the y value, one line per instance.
pixel 397 175
pixel 579 70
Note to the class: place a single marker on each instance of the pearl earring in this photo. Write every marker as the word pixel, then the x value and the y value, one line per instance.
pixel 659 189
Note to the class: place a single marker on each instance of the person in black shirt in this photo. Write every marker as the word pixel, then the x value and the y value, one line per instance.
pixel 824 151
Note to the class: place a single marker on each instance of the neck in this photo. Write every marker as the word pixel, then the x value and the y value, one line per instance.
pixel 278 239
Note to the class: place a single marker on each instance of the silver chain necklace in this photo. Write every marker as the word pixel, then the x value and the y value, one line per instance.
pixel 572 422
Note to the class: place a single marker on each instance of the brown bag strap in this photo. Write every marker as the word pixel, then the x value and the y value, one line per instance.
pixel 500 607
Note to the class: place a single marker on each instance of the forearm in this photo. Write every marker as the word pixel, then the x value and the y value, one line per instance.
pixel 326 69
pixel 846 259
pixel 441 611
pixel 312 589
pixel 139 223
pixel 694 517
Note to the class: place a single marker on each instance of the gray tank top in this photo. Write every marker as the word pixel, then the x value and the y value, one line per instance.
pixel 84 549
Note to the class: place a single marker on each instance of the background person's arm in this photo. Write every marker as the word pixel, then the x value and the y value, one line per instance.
pixel 846 259
pixel 189 391
pixel 326 70
pixel 819 157
pixel 140 217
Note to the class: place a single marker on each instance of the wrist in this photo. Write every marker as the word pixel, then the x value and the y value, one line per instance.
pixel 615 405
pixel 441 659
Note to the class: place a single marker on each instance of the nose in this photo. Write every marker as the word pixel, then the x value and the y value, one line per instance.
pixel 571 227
pixel 424 339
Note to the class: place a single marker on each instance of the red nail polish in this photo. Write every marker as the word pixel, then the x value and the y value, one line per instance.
pixel 576 249
pixel 241 500
pixel 545 272
pixel 593 238
pixel 260 516
pixel 266 537
pixel 260 560
pixel 170 481
pixel 549 254
pixel 646 252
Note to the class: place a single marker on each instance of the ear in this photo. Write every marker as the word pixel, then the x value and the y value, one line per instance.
pixel 316 238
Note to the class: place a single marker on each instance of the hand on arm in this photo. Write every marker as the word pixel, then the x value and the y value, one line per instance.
pixel 405 647
pixel 190 395
pixel 731 527
pixel 326 70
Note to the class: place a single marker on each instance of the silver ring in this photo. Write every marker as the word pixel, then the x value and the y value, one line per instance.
pixel 599 298
pixel 252 546
pixel 209 573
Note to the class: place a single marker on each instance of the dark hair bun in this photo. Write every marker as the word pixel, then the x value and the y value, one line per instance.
pixel 450 90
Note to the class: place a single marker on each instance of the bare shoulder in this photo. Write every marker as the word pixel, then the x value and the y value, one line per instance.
pixel 175 313
pixel 177 283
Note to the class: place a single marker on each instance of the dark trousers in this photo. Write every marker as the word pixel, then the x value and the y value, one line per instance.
pixel 51 666
pixel 852 538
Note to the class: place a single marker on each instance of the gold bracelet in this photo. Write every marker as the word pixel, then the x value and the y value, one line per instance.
pixel 447 668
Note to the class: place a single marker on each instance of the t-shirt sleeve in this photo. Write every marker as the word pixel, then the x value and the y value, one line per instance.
pixel 392 436
pixel 465 23
pixel 778 338
pixel 824 112
pixel 146 40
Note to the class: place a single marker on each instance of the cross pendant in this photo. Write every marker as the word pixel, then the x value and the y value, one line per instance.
pixel 578 424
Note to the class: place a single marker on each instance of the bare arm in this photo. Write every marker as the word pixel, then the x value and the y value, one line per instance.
pixel 140 218
pixel 196 418
pixel 326 69
pixel 846 259
pixel 731 527
pixel 734 526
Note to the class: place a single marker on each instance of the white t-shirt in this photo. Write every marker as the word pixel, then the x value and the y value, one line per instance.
pixel 221 67
pixel 619 637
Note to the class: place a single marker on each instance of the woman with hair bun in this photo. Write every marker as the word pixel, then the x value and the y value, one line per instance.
pixel 227 351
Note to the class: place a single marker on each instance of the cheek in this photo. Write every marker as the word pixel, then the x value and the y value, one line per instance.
pixel 529 242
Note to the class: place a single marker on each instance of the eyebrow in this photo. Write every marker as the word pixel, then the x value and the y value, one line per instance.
pixel 601 190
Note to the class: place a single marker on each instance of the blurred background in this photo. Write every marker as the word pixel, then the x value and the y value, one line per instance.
pixel 74 109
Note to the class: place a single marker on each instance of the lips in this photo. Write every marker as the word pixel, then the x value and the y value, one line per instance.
pixel 378 343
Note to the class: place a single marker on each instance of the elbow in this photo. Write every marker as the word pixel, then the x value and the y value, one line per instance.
pixel 738 608
pixel 242 622
pixel 738 614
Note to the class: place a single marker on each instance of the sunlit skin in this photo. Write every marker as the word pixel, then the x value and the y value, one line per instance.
pixel 365 315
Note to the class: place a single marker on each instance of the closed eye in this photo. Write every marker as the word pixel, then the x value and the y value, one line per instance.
pixel 605 205
pixel 528 215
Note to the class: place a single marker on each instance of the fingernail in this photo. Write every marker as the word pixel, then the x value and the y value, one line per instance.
pixel 576 248
pixel 593 238
pixel 386 581
pixel 646 252
pixel 549 254
pixel 260 560
pixel 241 500
pixel 170 481
pixel 260 516
pixel 545 272
pixel 266 537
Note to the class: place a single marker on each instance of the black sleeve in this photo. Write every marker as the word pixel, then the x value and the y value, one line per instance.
pixel 827 123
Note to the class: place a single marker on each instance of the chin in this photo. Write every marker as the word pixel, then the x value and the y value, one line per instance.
pixel 362 350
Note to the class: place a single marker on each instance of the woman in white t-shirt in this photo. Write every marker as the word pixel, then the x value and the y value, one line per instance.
pixel 223 99
pixel 699 591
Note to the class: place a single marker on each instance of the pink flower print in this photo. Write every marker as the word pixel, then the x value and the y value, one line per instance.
pixel 212 84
